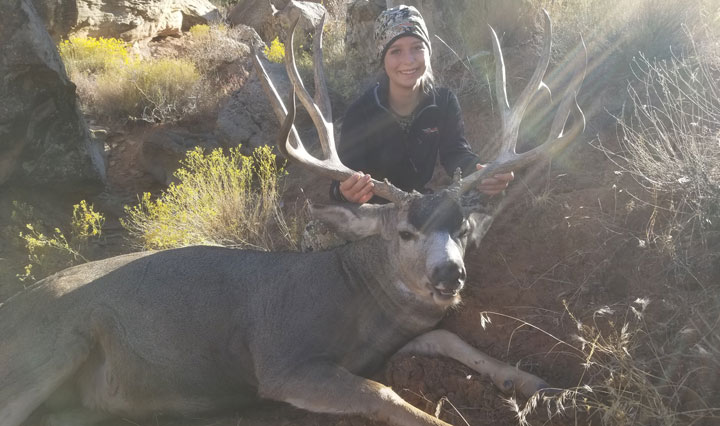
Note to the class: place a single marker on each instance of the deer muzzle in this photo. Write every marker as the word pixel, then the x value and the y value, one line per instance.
pixel 449 278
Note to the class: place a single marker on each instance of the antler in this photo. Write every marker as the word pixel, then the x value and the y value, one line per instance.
pixel 508 159
pixel 289 142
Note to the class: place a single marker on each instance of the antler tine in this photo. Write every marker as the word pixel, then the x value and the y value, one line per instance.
pixel 508 159
pixel 511 117
pixel 323 126
pixel 322 98
pixel 276 103
pixel 549 147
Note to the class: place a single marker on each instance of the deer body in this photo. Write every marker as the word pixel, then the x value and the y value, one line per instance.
pixel 202 328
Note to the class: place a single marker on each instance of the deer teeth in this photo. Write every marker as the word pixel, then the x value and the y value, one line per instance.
pixel 446 292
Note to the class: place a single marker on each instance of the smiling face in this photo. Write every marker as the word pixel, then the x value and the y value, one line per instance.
pixel 405 63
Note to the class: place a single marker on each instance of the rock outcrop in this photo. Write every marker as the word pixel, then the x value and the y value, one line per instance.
pixel 256 14
pixel 269 18
pixel 130 20
pixel 247 118
pixel 362 62
pixel 44 139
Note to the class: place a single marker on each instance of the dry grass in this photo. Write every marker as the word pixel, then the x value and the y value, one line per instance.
pixel 157 90
pixel 635 372
pixel 668 144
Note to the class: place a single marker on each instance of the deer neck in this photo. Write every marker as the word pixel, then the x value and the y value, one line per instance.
pixel 369 264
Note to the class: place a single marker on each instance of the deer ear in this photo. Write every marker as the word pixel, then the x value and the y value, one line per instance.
pixel 352 221
pixel 479 225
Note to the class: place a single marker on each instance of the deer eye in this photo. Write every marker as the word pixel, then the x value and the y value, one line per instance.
pixel 406 235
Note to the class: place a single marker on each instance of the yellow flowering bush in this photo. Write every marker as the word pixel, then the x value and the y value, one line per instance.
pixel 86 222
pixel 276 51
pixel 200 31
pixel 90 54
pixel 48 249
pixel 230 200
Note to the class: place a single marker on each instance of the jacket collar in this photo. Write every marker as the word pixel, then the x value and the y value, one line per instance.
pixel 382 92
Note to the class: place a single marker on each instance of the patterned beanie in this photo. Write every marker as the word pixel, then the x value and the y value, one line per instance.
pixel 397 22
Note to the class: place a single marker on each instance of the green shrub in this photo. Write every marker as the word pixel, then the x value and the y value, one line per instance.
pixel 229 200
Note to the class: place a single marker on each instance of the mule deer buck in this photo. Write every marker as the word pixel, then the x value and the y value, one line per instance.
pixel 199 329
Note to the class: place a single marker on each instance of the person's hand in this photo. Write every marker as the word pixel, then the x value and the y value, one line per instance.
pixel 496 183
pixel 357 188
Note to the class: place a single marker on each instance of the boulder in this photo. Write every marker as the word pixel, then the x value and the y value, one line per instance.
pixel 256 14
pixel 130 20
pixel 44 139
pixel 309 15
pixel 247 118
pixel 269 20
pixel 362 62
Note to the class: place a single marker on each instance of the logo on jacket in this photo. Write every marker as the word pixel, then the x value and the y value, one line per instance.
pixel 430 130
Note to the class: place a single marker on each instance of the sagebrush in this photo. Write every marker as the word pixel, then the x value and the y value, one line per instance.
pixel 228 200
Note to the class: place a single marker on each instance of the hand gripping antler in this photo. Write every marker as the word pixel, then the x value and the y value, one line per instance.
pixel 508 159
pixel 289 142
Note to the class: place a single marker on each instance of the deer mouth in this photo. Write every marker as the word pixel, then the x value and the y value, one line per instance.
pixel 444 295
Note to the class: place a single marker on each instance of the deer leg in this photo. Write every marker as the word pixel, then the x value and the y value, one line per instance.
pixel 331 389
pixel 504 376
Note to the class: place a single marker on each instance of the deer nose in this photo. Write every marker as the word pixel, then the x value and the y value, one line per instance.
pixel 449 276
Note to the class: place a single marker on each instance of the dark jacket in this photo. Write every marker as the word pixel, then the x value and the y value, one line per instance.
pixel 372 141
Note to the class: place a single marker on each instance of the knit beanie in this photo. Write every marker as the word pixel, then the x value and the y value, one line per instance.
pixel 397 22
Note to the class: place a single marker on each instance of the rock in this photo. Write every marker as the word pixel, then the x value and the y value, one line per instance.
pixel 362 62
pixel 130 20
pixel 268 20
pixel 332 6
pixel 248 119
pixel 309 15
pixel 256 14
pixel 44 139
pixel 163 147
